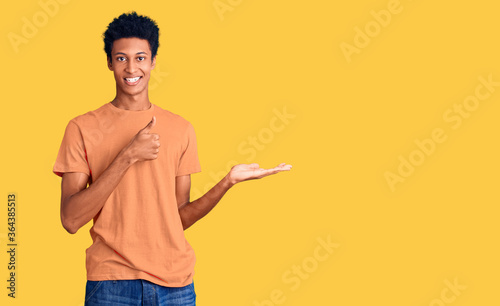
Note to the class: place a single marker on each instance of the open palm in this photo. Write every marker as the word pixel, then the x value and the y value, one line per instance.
pixel 244 172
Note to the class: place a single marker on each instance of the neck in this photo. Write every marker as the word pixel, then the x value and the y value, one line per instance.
pixel 135 103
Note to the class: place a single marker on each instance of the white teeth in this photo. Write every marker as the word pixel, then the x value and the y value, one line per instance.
pixel 132 80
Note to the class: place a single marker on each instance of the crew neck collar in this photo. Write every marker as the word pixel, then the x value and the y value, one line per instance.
pixel 116 109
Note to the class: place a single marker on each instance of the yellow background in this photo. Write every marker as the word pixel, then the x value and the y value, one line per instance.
pixel 228 76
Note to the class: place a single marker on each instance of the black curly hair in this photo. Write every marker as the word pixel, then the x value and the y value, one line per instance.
pixel 132 25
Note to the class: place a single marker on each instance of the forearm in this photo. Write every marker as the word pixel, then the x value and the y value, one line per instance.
pixel 195 210
pixel 81 207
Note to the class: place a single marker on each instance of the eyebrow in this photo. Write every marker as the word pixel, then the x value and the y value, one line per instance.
pixel 142 52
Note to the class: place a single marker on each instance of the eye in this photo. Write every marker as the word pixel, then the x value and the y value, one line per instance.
pixel 141 58
pixel 120 58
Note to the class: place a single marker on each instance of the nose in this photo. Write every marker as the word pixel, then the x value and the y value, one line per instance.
pixel 131 67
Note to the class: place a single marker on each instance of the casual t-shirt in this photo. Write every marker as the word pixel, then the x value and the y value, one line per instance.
pixel 138 233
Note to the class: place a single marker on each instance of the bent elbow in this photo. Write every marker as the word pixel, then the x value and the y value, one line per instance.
pixel 68 226
pixel 69 229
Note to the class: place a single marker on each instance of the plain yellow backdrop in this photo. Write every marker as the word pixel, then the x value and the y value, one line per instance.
pixel 387 110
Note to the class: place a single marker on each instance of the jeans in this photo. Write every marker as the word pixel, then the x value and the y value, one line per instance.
pixel 137 292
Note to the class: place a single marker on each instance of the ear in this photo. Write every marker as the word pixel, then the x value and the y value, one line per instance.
pixel 153 63
pixel 110 65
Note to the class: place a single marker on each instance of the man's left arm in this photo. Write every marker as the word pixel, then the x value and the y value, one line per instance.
pixel 190 212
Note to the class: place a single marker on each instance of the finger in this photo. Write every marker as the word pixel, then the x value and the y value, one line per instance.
pixel 150 125
pixel 156 137
pixel 267 172
pixel 283 166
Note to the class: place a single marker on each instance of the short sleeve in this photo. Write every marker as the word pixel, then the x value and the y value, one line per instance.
pixel 189 161
pixel 72 155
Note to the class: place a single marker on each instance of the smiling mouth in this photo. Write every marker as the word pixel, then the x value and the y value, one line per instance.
pixel 132 81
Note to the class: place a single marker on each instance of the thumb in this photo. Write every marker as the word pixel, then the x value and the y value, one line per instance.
pixel 150 125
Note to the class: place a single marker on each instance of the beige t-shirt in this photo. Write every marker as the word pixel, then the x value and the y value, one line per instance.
pixel 138 233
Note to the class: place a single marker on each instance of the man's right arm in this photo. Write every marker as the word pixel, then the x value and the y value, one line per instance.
pixel 79 204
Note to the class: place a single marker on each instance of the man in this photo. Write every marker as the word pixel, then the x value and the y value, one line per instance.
pixel 127 166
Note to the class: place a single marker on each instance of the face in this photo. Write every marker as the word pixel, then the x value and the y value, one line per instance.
pixel 131 64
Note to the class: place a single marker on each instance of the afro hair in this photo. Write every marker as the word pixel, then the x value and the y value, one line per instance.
pixel 132 25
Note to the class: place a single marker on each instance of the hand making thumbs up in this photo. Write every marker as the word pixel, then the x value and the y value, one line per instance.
pixel 144 145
